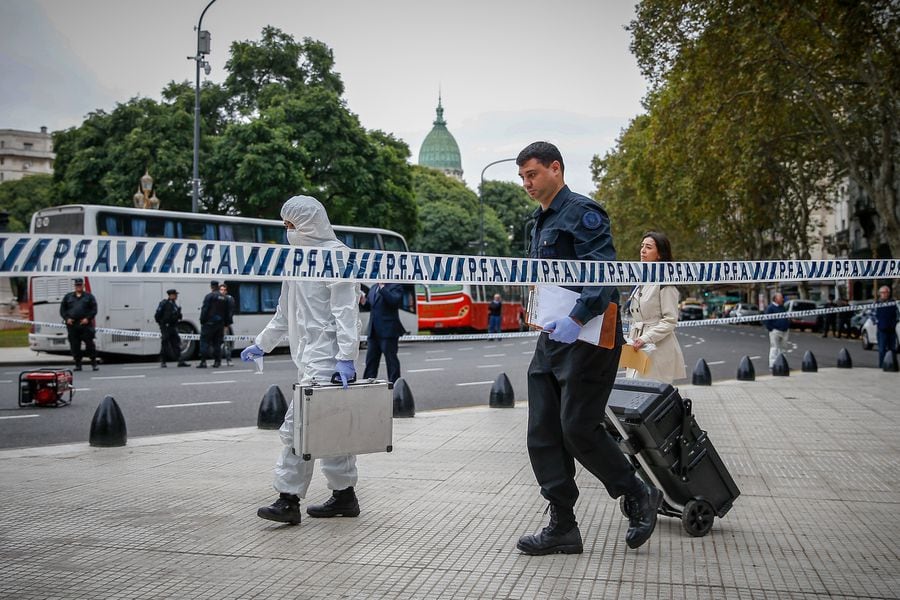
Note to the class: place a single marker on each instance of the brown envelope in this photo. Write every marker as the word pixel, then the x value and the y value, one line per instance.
pixel 634 359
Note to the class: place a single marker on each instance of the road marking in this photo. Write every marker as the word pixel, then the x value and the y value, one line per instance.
pixel 464 349
pixel 476 383
pixel 505 345
pixel 528 352
pixel 209 382
pixel 404 353
pixel 424 370
pixel 119 377
pixel 688 345
pixel 433 351
pixel 193 404
pixel 716 362
pixel 754 358
pixel 6 380
pixel 141 367
pixel 438 359
pixel 20 417
pixel 488 366
pixel 494 355
pixel 82 389
pixel 231 371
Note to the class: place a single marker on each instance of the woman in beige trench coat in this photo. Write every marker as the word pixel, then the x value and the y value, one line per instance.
pixel 654 314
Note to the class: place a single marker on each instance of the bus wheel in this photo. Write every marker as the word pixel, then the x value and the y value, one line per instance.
pixel 188 347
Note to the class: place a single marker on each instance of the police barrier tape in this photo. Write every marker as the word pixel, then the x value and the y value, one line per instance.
pixel 488 336
pixel 144 258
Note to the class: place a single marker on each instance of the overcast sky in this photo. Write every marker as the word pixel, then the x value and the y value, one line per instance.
pixel 510 72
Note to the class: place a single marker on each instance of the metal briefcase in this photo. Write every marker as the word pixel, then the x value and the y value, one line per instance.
pixel 332 421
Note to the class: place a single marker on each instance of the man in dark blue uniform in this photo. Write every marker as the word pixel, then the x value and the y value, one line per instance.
pixel 78 309
pixel 214 314
pixel 384 329
pixel 569 381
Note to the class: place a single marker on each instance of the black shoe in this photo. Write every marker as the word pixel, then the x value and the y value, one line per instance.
pixel 183 364
pixel 343 503
pixel 202 364
pixel 216 365
pixel 560 536
pixel 77 367
pixel 162 365
pixel 284 510
pixel 642 508
pixel 95 368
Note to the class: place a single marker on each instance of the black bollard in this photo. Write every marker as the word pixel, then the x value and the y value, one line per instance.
pixel 809 363
pixel 746 372
pixel 781 368
pixel 272 409
pixel 701 374
pixel 108 425
pixel 502 395
pixel 844 360
pixel 889 364
pixel 404 404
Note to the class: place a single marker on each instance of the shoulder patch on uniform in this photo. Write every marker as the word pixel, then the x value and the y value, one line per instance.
pixel 591 219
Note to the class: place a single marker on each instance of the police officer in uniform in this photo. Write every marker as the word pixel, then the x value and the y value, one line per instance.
pixel 78 309
pixel 569 381
pixel 214 315
pixel 168 315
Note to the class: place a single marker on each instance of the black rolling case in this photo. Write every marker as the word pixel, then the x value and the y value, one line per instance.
pixel 658 432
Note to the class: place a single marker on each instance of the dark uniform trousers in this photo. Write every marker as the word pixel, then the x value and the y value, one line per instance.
pixel 376 346
pixel 170 346
pixel 82 333
pixel 568 387
pixel 212 335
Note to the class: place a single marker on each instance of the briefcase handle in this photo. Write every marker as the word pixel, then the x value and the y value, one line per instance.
pixel 336 378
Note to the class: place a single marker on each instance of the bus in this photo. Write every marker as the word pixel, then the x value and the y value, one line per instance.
pixel 461 308
pixel 127 304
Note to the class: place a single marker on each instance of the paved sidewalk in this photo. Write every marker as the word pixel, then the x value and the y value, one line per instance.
pixel 816 456
pixel 26 356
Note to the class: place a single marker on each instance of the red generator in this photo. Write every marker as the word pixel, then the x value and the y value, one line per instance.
pixel 46 387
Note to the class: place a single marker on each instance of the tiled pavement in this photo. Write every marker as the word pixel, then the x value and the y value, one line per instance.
pixel 816 456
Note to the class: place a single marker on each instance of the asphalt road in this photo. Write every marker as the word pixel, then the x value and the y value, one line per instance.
pixel 440 374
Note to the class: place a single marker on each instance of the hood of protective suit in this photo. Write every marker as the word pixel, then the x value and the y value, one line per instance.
pixel 310 222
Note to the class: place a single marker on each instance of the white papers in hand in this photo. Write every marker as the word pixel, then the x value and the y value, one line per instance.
pixel 551 302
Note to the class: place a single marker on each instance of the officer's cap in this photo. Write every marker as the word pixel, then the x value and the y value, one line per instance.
pixel 170 292
pixel 79 281
pixel 213 284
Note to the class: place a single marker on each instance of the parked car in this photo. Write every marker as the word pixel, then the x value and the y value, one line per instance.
pixel 743 309
pixel 869 331
pixel 858 320
pixel 796 305
pixel 690 312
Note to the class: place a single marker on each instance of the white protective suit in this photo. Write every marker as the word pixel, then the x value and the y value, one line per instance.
pixel 321 322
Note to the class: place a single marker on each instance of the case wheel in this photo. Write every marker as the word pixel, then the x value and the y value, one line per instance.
pixel 698 517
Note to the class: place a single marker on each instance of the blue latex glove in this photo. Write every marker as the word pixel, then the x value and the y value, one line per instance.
pixel 346 371
pixel 563 330
pixel 251 352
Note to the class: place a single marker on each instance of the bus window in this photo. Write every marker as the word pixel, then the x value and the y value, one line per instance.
pixel 268 234
pixel 253 298
pixel 226 233
pixel 197 230
pixel 62 223
pixel 358 240
pixel 392 243
pixel 108 224
pixel 243 233
pixel 269 294
pixel 157 227
pixel 138 227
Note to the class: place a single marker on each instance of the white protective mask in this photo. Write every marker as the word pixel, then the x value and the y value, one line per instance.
pixel 294 237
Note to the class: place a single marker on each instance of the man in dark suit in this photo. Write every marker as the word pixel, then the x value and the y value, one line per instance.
pixel 384 330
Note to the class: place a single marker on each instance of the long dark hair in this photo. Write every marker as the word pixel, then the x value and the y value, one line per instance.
pixel 663 247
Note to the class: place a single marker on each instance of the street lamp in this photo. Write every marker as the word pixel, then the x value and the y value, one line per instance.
pixel 481 200
pixel 203 39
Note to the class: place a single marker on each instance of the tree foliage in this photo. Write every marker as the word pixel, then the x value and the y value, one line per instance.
pixel 276 127
pixel 22 197
pixel 755 111
pixel 514 208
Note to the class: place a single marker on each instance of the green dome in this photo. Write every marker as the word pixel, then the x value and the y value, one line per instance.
pixel 439 150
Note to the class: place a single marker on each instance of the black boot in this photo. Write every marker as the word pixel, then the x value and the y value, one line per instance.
pixel 181 363
pixel 642 507
pixel 560 536
pixel 284 510
pixel 94 366
pixel 162 365
pixel 343 503
pixel 202 364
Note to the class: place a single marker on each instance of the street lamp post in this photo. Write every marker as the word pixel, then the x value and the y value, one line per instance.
pixel 203 39
pixel 481 200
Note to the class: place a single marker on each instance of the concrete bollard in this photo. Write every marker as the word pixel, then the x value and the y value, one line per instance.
pixel 844 360
pixel 745 371
pixel 781 368
pixel 108 425
pixel 809 363
pixel 502 395
pixel 272 409
pixel 701 374
pixel 404 403
pixel 889 364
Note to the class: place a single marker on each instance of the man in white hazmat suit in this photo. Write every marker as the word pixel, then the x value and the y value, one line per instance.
pixel 321 322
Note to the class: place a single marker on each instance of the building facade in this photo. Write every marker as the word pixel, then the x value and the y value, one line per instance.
pixel 440 150
pixel 25 153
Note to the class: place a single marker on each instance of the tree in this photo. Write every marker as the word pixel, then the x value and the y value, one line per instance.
pixel 829 72
pixel 450 217
pixel 23 197
pixel 514 208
